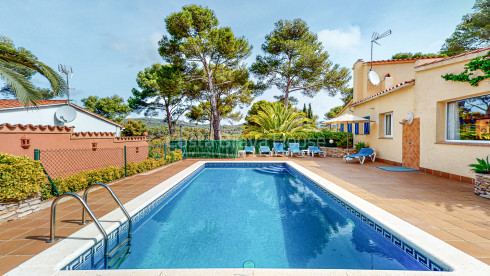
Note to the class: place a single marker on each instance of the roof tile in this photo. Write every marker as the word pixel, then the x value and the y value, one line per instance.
pixel 17 103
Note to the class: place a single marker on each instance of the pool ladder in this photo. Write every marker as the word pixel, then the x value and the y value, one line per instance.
pixel 112 258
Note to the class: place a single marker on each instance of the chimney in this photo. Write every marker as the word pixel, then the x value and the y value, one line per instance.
pixel 388 82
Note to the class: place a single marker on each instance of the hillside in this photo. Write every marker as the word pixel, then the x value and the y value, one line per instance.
pixel 234 131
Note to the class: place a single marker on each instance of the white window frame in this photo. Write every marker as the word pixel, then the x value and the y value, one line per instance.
pixel 385 126
pixel 446 111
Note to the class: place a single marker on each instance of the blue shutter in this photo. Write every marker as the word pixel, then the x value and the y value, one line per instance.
pixel 349 128
pixel 366 126
pixel 341 127
pixel 357 128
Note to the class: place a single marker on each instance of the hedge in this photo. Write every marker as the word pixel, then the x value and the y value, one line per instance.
pixel 82 180
pixel 20 177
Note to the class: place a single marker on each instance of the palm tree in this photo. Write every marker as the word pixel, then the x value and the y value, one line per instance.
pixel 275 119
pixel 13 61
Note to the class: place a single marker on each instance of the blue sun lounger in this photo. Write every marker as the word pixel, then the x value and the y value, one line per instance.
pixel 315 149
pixel 249 149
pixel 279 148
pixel 294 148
pixel 265 150
pixel 361 155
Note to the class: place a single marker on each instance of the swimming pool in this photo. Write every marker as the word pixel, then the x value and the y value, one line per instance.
pixel 261 215
pixel 240 216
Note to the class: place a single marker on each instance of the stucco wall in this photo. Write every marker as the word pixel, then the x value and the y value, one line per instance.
pixel 45 115
pixel 427 101
pixel 435 153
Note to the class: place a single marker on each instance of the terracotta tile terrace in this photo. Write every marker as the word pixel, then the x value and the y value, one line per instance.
pixel 445 208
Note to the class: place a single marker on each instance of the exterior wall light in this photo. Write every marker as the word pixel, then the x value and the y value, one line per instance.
pixel 94 145
pixel 25 142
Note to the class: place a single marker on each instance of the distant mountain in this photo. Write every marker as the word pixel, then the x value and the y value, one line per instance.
pixel 153 122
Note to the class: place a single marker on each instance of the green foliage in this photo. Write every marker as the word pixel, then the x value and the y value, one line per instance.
pixel 409 55
pixel 360 145
pixel 20 177
pixel 472 33
pixel 113 108
pixel 479 63
pixel 333 112
pixel 277 119
pixel 134 128
pixel 17 65
pixel 163 88
pixel 82 180
pixel 295 60
pixel 211 53
pixel 483 166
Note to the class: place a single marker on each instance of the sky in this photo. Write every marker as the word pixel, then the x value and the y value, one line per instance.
pixel 108 42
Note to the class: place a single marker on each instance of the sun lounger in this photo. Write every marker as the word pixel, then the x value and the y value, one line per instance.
pixel 249 149
pixel 279 148
pixel 265 150
pixel 315 149
pixel 294 148
pixel 361 155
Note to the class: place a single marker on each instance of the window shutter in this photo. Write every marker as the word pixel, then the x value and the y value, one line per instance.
pixel 357 128
pixel 349 128
pixel 366 125
pixel 341 127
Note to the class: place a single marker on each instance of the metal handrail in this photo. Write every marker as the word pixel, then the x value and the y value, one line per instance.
pixel 85 195
pixel 52 237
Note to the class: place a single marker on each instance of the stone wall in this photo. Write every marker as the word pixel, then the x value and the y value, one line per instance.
pixel 337 152
pixel 482 185
pixel 12 210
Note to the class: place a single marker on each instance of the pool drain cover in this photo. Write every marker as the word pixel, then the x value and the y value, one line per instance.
pixel 248 264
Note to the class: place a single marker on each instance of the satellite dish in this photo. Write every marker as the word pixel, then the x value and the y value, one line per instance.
pixel 409 118
pixel 66 114
pixel 373 78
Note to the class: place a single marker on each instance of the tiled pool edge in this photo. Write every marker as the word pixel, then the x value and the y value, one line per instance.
pixel 141 205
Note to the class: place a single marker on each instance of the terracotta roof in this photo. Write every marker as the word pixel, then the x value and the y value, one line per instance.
pixel 93 134
pixel 456 56
pixel 35 128
pixel 389 90
pixel 17 103
pixel 398 60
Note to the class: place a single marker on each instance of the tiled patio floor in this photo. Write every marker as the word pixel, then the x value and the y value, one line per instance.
pixel 444 208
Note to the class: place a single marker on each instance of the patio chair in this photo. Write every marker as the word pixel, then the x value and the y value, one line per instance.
pixel 264 149
pixel 315 149
pixel 294 148
pixel 361 155
pixel 279 148
pixel 249 149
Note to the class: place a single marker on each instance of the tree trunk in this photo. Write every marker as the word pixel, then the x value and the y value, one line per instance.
pixel 169 120
pixel 214 110
pixel 286 99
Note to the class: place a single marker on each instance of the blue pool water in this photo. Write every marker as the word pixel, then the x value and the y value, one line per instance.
pixel 236 217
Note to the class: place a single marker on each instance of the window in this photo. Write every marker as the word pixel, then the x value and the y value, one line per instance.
pixel 389 125
pixel 468 119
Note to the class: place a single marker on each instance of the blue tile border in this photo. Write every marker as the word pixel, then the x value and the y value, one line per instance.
pixel 415 254
pixel 93 257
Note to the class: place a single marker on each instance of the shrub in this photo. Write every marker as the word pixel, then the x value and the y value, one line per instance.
pixel 20 177
pixel 483 166
pixel 82 180
pixel 361 145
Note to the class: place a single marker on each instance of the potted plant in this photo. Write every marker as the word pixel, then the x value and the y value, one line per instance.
pixel 482 178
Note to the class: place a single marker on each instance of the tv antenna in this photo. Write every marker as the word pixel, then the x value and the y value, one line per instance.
pixel 373 76
pixel 68 71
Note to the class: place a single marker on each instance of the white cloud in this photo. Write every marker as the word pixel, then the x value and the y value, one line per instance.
pixel 339 40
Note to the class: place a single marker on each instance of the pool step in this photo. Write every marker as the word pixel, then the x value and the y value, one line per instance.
pixel 271 170
pixel 119 253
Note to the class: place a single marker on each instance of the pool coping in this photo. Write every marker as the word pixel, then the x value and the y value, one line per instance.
pixel 53 259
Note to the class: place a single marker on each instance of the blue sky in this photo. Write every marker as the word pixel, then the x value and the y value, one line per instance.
pixel 108 42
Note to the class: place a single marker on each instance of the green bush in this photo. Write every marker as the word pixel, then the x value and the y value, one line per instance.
pixel 82 180
pixel 483 166
pixel 20 177
pixel 361 145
